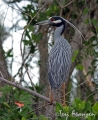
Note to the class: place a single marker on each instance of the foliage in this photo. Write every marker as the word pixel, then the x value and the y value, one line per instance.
pixel 78 110
pixel 31 40
pixel 3 33
pixel 33 36
pixel 75 55
pixel 8 109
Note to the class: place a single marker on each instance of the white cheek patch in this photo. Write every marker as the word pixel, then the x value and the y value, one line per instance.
pixel 50 18
pixel 57 21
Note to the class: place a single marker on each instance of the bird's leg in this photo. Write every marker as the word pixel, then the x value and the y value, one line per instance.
pixel 63 87
pixel 51 96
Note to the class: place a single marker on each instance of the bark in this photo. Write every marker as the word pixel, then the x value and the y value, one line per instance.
pixel 3 66
pixel 87 62
pixel 83 87
pixel 43 50
pixel 76 44
pixel 26 89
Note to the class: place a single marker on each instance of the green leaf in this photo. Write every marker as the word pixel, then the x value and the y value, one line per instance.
pixel 78 104
pixel 30 28
pixel 42 117
pixel 89 118
pixel 55 8
pixel 27 42
pixel 32 48
pixel 24 112
pixel 94 21
pixel 79 67
pixel 75 55
pixel 37 37
pixel 66 109
pixel 85 11
pixel 58 107
pixel 27 34
pixel 87 106
pixel 9 53
pixel 93 38
pixel 86 21
pixel 23 118
pixel 5 104
pixel 82 105
pixel 95 108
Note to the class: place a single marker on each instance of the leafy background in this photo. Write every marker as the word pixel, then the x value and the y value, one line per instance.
pixel 82 86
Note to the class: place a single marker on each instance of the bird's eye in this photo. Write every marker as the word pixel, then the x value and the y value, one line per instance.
pixel 52 19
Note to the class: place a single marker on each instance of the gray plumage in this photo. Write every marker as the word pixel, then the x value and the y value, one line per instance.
pixel 60 55
pixel 59 60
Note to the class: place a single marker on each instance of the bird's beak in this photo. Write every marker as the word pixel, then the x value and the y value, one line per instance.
pixel 45 22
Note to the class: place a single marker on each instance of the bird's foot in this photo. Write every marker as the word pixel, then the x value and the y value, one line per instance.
pixel 51 102
pixel 64 104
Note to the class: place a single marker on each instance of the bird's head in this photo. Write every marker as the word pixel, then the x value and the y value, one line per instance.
pixel 53 21
pixel 57 21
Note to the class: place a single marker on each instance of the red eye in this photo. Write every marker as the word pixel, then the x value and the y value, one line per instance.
pixel 52 19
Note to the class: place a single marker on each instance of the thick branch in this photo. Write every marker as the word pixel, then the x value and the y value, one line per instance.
pixel 26 89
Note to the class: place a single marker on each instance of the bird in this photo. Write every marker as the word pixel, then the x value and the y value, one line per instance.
pixel 59 60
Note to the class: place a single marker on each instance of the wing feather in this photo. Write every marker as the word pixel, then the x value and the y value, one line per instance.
pixel 59 63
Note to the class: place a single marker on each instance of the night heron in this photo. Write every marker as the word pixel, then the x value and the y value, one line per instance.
pixel 60 55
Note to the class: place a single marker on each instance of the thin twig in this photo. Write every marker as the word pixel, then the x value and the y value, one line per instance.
pixel 27 27
pixel 68 4
pixel 39 108
pixel 30 78
pixel 19 10
pixel 75 87
pixel 52 114
pixel 1 74
pixel 5 15
pixel 90 94
pixel 21 43
pixel 23 62
pixel 61 6
pixel 27 90
pixel 21 48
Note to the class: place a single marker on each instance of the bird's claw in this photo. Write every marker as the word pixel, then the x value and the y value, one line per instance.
pixel 63 104
pixel 51 102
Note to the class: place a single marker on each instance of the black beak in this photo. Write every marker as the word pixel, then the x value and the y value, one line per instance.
pixel 45 22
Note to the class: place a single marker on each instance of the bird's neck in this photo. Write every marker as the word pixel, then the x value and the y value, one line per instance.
pixel 58 32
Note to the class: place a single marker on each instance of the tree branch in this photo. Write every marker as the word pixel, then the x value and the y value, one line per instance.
pixel 61 6
pixel 22 39
pixel 27 90
pixel 27 27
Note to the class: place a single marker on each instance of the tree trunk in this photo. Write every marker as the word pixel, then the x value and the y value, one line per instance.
pixel 76 43
pixel 3 66
pixel 43 50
